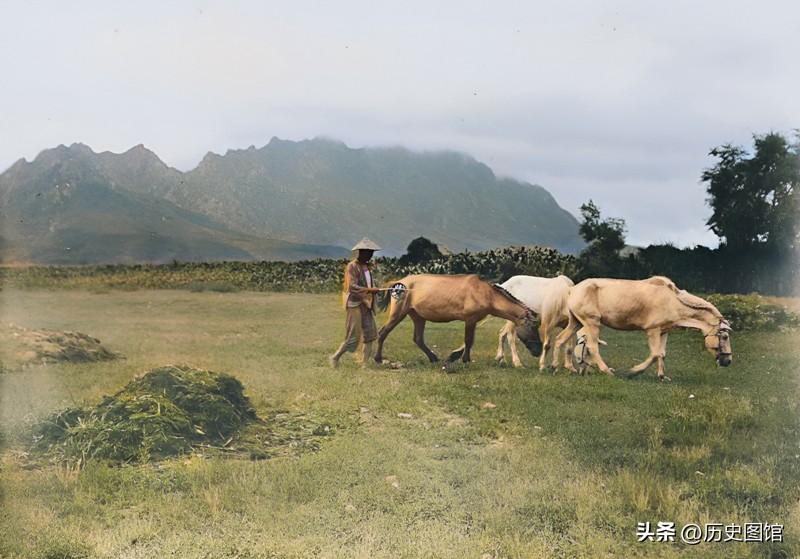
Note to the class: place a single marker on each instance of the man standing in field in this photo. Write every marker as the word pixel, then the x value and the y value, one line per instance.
pixel 358 292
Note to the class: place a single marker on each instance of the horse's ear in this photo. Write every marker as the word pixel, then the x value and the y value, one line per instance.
pixel 724 325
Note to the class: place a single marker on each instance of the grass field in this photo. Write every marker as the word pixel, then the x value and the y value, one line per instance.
pixel 561 467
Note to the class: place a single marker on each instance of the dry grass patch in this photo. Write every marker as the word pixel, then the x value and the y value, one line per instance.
pixel 24 346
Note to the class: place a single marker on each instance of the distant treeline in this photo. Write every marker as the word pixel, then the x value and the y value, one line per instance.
pixel 698 269
pixel 754 198
pixel 314 276
pixel 721 270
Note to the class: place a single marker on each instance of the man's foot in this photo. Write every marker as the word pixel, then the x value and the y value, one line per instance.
pixel 333 361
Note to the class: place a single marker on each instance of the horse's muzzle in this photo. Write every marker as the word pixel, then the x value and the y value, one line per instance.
pixel 529 336
pixel 534 346
pixel 724 360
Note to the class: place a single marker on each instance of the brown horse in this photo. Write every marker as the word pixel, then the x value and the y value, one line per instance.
pixel 654 305
pixel 441 298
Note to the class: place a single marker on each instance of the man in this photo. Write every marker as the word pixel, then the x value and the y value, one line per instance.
pixel 359 302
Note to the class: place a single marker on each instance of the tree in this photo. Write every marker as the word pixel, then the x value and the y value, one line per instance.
pixel 754 196
pixel 420 250
pixel 606 237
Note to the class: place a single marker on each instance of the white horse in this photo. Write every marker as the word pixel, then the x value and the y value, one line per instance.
pixel 547 297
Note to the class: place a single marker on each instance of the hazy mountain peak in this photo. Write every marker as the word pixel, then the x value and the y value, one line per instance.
pixel 317 191
pixel 80 147
pixel 61 154
pixel 140 149
pixel 17 165
pixel 322 191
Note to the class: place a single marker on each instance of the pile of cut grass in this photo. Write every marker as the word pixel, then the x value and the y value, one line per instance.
pixel 170 411
pixel 24 346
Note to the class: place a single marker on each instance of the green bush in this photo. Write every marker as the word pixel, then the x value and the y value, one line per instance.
pixel 308 276
pixel 752 312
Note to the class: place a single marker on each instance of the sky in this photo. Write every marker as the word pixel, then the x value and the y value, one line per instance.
pixel 619 102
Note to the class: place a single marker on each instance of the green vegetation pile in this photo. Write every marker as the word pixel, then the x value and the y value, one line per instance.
pixel 23 346
pixel 170 411
pixel 308 276
pixel 753 312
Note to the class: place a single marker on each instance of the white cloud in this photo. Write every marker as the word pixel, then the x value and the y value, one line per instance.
pixel 616 101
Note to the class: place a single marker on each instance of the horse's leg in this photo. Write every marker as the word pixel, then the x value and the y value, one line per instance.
pixel 563 338
pixel 462 352
pixel 469 339
pixel 419 336
pixel 395 318
pixel 544 335
pixel 512 343
pixel 500 355
pixel 662 354
pixel 569 350
pixel 654 342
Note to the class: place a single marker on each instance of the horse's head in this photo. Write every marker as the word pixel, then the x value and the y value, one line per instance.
pixel 718 343
pixel 527 331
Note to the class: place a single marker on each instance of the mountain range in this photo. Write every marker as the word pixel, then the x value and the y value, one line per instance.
pixel 284 201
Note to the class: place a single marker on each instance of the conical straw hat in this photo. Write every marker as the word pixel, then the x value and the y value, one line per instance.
pixel 365 244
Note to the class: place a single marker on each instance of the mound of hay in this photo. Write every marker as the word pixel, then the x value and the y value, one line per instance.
pixel 170 411
pixel 24 346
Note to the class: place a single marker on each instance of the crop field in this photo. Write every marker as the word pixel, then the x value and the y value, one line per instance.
pixel 486 462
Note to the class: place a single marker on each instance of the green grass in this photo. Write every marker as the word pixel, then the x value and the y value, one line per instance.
pixel 561 467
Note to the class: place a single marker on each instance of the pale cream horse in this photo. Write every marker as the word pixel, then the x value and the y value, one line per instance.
pixel 654 305
pixel 547 297
pixel 445 298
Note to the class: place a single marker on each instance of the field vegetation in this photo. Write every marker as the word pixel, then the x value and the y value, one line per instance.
pixel 485 462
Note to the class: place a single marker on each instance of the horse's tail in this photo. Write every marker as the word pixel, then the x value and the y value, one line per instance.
pixel 382 300
pixel 554 306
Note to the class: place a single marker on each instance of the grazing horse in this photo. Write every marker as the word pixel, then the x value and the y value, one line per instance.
pixel 548 298
pixel 654 305
pixel 441 298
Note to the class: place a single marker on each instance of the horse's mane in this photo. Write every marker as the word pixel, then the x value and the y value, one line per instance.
pixel 686 298
pixel 695 302
pixel 507 294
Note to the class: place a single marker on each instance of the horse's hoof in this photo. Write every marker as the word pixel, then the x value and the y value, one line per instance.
pixel 663 378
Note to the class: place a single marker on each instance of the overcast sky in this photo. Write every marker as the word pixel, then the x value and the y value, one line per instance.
pixel 615 101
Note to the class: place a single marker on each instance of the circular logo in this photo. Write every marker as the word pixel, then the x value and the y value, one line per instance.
pixel 398 290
